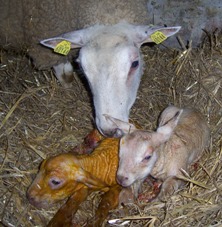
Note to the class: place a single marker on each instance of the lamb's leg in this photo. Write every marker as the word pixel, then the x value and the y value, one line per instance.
pixel 91 141
pixel 64 216
pixel 110 200
pixel 169 186
pixel 126 196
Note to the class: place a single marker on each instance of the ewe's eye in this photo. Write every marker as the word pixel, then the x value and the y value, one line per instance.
pixel 134 64
pixel 147 158
pixel 55 183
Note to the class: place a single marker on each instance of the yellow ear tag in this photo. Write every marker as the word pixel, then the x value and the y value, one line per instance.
pixel 158 37
pixel 63 47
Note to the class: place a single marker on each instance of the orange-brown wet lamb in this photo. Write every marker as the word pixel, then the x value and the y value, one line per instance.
pixel 75 177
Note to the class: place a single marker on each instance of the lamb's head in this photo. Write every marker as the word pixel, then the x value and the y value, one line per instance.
pixel 113 65
pixel 55 181
pixel 136 157
pixel 58 178
pixel 139 151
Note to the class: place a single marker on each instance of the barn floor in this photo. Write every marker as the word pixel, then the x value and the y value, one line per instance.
pixel 38 119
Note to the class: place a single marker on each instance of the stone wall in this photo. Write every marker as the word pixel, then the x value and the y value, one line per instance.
pixel 192 15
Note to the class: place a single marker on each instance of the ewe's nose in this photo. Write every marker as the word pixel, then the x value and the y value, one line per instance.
pixel 117 133
pixel 108 127
pixel 122 180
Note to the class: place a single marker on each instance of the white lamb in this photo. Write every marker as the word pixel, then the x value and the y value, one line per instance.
pixel 179 141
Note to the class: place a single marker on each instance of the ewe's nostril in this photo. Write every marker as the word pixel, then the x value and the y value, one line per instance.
pixel 109 133
pixel 118 133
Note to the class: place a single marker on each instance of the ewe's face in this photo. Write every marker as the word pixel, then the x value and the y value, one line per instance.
pixel 113 67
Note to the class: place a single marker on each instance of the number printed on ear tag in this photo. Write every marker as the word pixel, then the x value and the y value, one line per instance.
pixel 63 47
pixel 158 37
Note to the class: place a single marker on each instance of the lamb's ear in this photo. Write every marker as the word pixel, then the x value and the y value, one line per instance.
pixel 75 38
pixel 165 131
pixel 123 126
pixel 145 34
pixel 167 114
pixel 89 180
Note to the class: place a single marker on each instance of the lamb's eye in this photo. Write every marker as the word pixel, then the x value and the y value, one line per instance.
pixel 147 157
pixel 134 64
pixel 55 183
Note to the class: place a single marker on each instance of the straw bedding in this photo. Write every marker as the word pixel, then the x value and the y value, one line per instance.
pixel 38 119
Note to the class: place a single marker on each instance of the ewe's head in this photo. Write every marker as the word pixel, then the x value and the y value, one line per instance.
pixel 113 66
pixel 55 181
pixel 111 60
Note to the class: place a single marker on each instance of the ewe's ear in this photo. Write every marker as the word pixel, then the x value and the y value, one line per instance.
pixel 144 33
pixel 76 38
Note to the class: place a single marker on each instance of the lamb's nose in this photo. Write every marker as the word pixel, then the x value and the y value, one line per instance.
pixel 122 180
pixel 30 198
